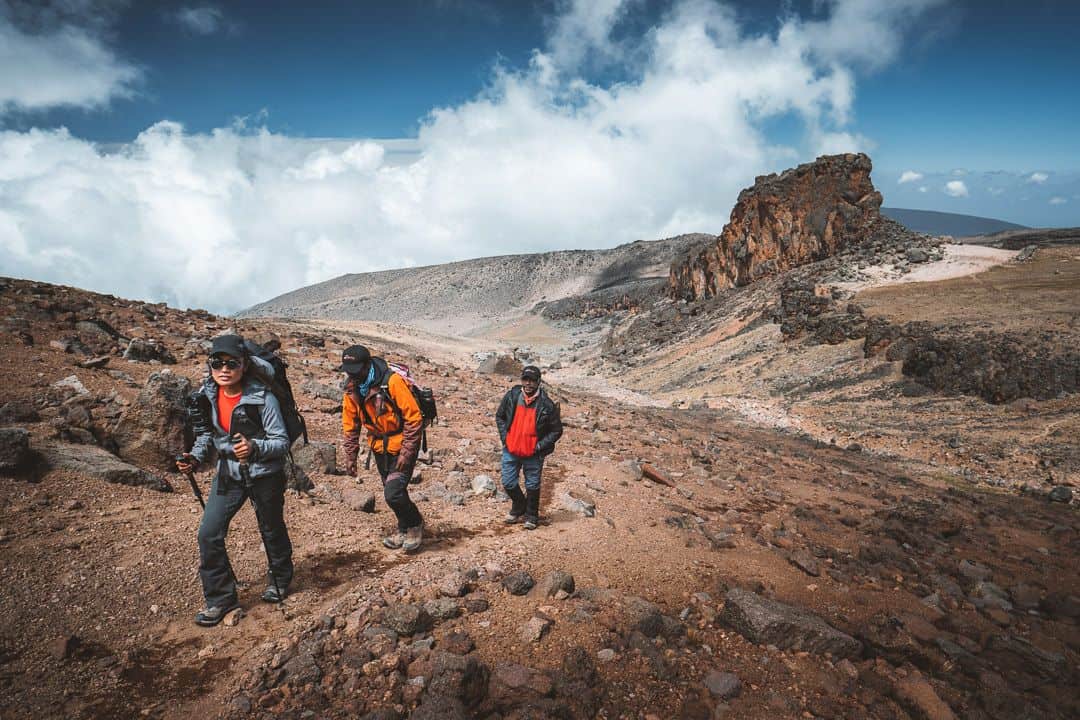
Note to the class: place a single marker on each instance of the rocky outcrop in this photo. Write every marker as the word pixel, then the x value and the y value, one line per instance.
pixel 998 367
pixel 801 216
pixel 99 464
pixel 765 621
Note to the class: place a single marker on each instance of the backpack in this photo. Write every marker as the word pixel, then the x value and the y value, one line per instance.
pixel 425 400
pixel 279 385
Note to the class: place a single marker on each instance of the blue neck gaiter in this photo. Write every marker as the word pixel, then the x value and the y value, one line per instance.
pixel 362 388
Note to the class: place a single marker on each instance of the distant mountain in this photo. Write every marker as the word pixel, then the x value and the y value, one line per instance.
pixel 943 223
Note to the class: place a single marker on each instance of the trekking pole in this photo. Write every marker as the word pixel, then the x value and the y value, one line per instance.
pixel 191 479
pixel 249 488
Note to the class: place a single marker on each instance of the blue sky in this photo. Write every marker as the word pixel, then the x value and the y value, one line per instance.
pixel 512 126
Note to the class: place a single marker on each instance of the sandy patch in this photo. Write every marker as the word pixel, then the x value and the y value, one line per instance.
pixel 959 261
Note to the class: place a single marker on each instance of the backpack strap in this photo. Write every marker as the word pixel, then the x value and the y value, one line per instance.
pixel 384 390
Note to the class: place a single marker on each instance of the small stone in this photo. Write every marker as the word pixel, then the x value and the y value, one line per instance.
pixel 483 485
pixel 234 617
pixel 359 500
pixel 805 562
pixel 518 583
pixel 723 685
pixel 406 619
pixel 605 655
pixel 61 648
pixel 535 629
pixel 454 585
pixel 554 582
pixel 442 609
pixel 1061 494
pixel 458 643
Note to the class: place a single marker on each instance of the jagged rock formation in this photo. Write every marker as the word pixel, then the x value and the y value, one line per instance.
pixel 801 216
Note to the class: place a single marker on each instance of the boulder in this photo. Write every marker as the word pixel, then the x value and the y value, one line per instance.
pixel 15 453
pixel 462 678
pixel 151 430
pixel 94 462
pixel 500 365
pixel 321 390
pixel 315 457
pixel 18 411
pixel 140 350
pixel 768 622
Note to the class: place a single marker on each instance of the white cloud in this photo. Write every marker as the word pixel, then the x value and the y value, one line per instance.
pixel 995 191
pixel 546 157
pixel 959 172
pixel 58 65
pixel 1058 200
pixel 200 20
pixel 1038 178
pixel 910 176
pixel 956 188
pixel 923 188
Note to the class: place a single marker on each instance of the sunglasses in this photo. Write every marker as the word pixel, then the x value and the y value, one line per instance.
pixel 231 363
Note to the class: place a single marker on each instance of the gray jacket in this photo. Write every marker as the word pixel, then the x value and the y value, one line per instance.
pixel 270 446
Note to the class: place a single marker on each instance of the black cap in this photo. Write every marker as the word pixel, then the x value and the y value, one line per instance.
pixel 355 360
pixel 228 345
pixel 530 372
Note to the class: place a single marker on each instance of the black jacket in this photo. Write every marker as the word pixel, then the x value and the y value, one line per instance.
pixel 548 422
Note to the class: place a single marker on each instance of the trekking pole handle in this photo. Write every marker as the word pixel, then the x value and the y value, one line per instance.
pixel 185 458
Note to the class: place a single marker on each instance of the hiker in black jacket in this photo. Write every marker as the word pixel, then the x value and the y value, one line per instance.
pixel 529 426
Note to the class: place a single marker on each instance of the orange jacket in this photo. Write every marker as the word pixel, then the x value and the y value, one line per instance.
pixel 383 419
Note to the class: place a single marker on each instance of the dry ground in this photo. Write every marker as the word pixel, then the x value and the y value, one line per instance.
pixel 115 566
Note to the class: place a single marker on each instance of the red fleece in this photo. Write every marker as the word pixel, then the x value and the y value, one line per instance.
pixel 521 438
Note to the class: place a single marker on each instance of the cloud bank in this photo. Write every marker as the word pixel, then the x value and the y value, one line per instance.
pixel 50 58
pixel 546 157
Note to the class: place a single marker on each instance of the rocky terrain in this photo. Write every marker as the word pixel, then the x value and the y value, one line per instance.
pixel 762 506
pixel 473 296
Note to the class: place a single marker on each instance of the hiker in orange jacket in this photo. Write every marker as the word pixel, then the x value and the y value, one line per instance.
pixel 379 400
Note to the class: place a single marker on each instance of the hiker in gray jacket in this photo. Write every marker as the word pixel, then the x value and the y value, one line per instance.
pixel 251 442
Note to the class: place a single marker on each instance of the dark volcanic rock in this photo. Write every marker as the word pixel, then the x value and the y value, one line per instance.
pixel 518 583
pixel 14 450
pixel 147 350
pixel 800 216
pixel 768 622
pixel 406 619
pixel 151 430
pixel 97 463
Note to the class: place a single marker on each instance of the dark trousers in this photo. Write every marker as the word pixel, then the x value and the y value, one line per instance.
pixel 218 580
pixel 396 493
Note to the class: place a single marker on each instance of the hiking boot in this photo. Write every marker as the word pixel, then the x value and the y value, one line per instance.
pixel 532 508
pixel 394 541
pixel 211 616
pixel 511 518
pixel 272 595
pixel 414 536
